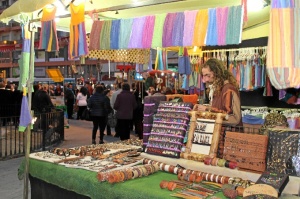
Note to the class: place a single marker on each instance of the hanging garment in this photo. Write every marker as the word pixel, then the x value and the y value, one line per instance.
pixel 77 43
pixel 136 36
pixel 158 30
pixel 177 32
pixel 221 17
pixel 211 35
pixel 105 35
pixel 48 34
pixel 95 35
pixel 184 65
pixel 148 32
pixel 268 88
pixel 114 34
pixel 125 32
pixel 189 24
pixel 200 30
pixel 168 30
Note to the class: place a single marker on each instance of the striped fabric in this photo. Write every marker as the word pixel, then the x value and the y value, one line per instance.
pixel 105 35
pixel 200 28
pixel 148 32
pixel 158 30
pixel 283 45
pixel 95 35
pixel 114 34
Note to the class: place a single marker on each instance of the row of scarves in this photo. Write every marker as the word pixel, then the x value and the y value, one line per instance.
pixel 283 61
pixel 251 75
pixel 215 26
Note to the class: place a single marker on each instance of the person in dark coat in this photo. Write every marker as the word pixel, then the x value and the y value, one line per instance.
pixel 125 105
pixel 139 94
pixel 99 106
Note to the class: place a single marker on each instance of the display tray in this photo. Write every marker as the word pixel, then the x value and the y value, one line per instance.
pixel 276 180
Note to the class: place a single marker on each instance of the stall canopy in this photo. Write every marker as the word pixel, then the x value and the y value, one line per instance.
pixel 257 21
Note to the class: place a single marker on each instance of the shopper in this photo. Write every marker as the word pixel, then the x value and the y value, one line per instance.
pixel 138 114
pixel 223 92
pixel 99 106
pixel 124 105
pixel 69 100
pixel 81 102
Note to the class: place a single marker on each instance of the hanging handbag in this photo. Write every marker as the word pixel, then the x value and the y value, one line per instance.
pixel 112 120
pixel 86 114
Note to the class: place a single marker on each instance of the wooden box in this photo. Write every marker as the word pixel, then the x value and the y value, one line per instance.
pixel 248 150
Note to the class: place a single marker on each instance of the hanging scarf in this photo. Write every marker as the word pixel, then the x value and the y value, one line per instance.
pixel 189 23
pixel 136 36
pixel 200 29
pixel 177 32
pixel 105 35
pixel 221 17
pixel 95 35
pixel 158 30
pixel 211 35
pixel 125 31
pixel 114 34
pixel 168 28
pixel 148 31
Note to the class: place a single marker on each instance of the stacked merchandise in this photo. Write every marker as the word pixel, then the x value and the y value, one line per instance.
pixel 150 108
pixel 169 129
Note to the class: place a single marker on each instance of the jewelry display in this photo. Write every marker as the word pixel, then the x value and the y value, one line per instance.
pixel 283 145
pixel 168 129
pixel 127 173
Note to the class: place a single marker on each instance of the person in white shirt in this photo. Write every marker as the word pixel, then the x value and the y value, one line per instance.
pixel 81 101
pixel 112 102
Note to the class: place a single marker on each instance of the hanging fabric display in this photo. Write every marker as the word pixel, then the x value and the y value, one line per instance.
pixel 148 32
pixel 77 43
pixel 48 34
pixel 105 35
pixel 95 35
pixel 189 22
pixel 114 34
pixel 125 31
pixel 177 32
pixel 136 36
pixel 283 44
pixel 200 28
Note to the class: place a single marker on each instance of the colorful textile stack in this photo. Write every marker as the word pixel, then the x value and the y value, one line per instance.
pixel 283 64
pixel 48 34
pixel 216 26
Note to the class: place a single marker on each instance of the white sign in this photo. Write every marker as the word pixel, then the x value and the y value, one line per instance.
pixel 202 136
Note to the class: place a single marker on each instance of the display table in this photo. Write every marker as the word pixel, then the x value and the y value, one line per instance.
pixel 57 181
pixel 85 183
